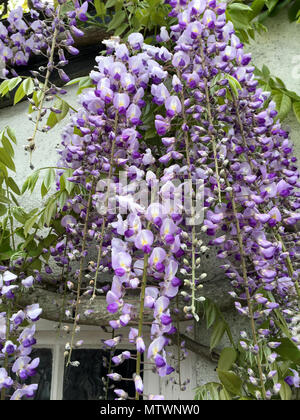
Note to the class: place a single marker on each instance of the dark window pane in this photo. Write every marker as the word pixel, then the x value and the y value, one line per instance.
pixel 85 381
pixel 43 376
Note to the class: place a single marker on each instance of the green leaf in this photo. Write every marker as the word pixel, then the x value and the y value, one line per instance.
pixel 240 7
pixel 28 86
pixel 288 351
pixel 54 118
pixel 14 82
pixel 209 391
pixel 225 395
pixel 3 209
pixel 111 3
pixel 13 186
pixel 117 20
pixel 232 383
pixel 284 105
pixel 4 199
pixel 227 358
pixel 257 7
pixel 122 28
pixel 7 146
pixel 48 180
pixel 19 214
pixel 296 108
pixel 11 134
pixel 7 160
pixel 271 4
pixel 210 313
pixel 293 10
pixel 19 95
pixel 285 391
pixel 234 84
pixel 217 334
pixel 64 183
pixel 30 182
pixel 29 224
pixel 49 212
pixel 4 87
pixel 100 8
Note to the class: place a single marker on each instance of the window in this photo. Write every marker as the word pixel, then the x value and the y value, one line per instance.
pixel 85 381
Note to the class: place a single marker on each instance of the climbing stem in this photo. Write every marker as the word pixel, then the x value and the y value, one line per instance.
pixel 178 343
pixel 275 231
pixel 190 177
pixel 64 280
pixel 289 264
pixel 141 316
pixel 247 290
pixel 45 87
pixel 81 269
pixel 211 122
pixel 106 204
pixel 109 367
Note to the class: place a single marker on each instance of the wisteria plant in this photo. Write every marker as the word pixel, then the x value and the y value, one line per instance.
pixel 175 149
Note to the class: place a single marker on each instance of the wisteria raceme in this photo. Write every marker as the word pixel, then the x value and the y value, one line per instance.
pixel 16 339
pixel 113 111
pixel 222 131
pixel 259 177
pixel 20 39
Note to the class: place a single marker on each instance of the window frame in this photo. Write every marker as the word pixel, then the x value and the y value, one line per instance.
pixel 48 336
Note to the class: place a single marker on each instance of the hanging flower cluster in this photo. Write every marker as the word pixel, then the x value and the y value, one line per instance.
pixel 217 128
pixel 17 330
pixel 147 243
pixel 49 33
pixel 251 176
pixel 20 39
